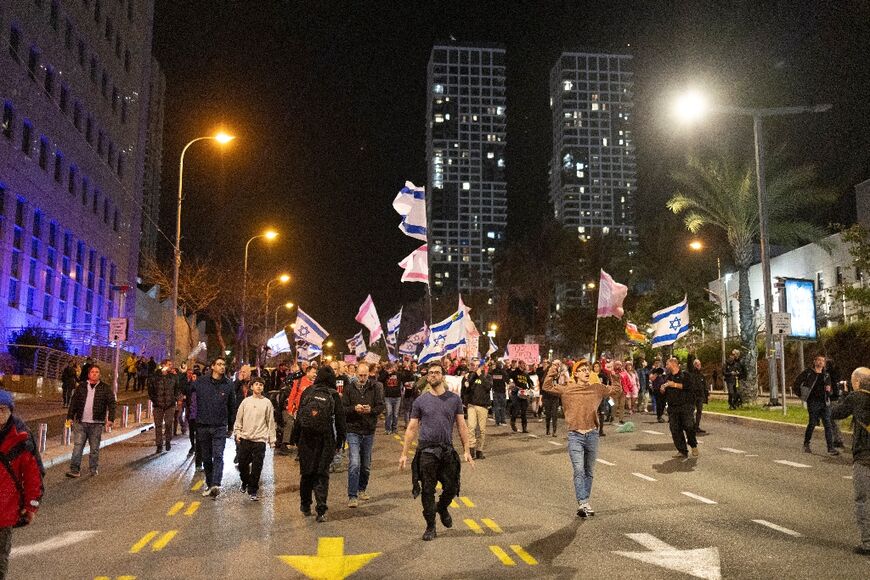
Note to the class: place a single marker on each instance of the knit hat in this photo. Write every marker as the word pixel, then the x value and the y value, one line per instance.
pixel 256 380
pixel 7 400
pixel 580 362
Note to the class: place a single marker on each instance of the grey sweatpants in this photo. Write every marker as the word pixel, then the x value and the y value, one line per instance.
pixel 861 481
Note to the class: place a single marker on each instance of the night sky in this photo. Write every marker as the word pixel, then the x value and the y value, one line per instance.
pixel 328 100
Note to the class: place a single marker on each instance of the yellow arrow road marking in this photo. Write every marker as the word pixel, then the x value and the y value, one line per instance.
pixel 175 508
pixel 474 526
pixel 524 556
pixel 330 561
pixel 198 485
pixel 453 504
pixel 164 539
pixel 397 437
pixel 191 509
pixel 143 542
pixel 466 501
pixel 502 555
pixel 492 525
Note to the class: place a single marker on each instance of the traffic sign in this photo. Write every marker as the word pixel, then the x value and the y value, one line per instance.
pixel 117 329
pixel 781 322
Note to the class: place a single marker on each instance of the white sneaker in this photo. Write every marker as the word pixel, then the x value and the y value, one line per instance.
pixel 206 490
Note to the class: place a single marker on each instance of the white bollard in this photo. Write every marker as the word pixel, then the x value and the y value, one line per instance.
pixel 125 416
pixel 42 437
pixel 67 435
pixel 138 413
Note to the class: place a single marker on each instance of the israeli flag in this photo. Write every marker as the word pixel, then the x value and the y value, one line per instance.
pixel 307 329
pixel 670 323
pixel 279 343
pixel 444 337
pixel 393 328
pixel 492 347
pixel 410 203
pixel 308 352
pixel 357 345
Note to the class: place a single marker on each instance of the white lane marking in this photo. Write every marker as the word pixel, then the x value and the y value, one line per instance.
pixel 60 541
pixel 556 443
pixel 847 477
pixel 533 436
pixel 653 432
pixel 731 450
pixel 751 455
pixel 791 463
pixel 773 526
pixel 698 562
pixel 645 477
pixel 604 462
pixel 700 498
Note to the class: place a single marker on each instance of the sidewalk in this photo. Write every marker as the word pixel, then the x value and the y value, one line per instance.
pixel 57 453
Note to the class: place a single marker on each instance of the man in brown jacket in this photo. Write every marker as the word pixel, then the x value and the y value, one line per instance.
pixel 580 400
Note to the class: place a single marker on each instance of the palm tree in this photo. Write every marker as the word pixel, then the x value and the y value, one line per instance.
pixel 723 194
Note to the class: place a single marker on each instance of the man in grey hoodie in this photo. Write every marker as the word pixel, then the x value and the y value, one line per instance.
pixel 254 429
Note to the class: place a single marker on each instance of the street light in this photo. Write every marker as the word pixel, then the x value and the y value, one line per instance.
pixel 697 246
pixel 282 279
pixel 288 306
pixel 691 106
pixel 269 235
pixel 222 139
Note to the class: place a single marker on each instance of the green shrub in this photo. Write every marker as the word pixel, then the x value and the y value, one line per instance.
pixel 31 336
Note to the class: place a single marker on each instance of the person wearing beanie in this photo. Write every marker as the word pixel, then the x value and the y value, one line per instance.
pixel 253 429
pixel 318 433
pixel 21 485
pixel 580 401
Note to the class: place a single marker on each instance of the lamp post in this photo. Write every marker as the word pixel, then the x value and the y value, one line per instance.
pixel 283 279
pixel 269 235
pixel 697 246
pixel 222 139
pixel 288 306
pixel 691 107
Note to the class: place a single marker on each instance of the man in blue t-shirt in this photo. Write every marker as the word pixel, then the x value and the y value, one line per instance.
pixel 432 416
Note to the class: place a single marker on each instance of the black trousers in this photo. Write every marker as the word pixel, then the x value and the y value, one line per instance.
pixel 251 455
pixel 551 412
pixel 660 404
pixel 699 410
pixel 682 422
pixel 519 409
pixel 191 431
pixel 432 470
pixel 318 482
pixel 734 399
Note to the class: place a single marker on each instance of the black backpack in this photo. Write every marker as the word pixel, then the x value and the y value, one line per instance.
pixel 316 411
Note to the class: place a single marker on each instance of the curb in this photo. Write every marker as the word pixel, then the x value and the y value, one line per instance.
pixel 765 424
pixel 46 463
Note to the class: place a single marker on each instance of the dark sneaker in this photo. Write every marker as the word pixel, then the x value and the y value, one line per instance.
pixel 582 513
pixel 699 431
pixel 306 511
pixel 554 433
pixel 97 471
pixel 159 450
pixel 429 534
pixel 839 444
pixel 833 452
pixel 807 448
pixel 514 427
pixel 480 455
pixel 191 452
pixel 861 550
pixel 243 488
pixel 168 445
pixel 320 518
pixel 73 474
pixel 214 491
pixel 254 497
pixel 446 519
pixel 525 430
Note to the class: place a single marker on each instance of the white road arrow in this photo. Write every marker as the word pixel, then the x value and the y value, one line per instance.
pixel 700 562
pixel 60 541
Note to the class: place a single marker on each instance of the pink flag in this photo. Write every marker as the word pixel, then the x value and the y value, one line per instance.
pixel 610 296
pixel 368 317
pixel 416 265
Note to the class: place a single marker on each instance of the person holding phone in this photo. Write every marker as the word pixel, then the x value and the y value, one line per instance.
pixel 363 403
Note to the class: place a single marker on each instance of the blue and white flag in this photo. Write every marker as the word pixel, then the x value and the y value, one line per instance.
pixel 279 343
pixel 393 328
pixel 410 203
pixel 357 345
pixel 444 337
pixel 670 323
pixel 492 347
pixel 308 351
pixel 307 329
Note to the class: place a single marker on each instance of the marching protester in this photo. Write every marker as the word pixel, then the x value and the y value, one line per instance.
pixel 392 398
pixel 580 401
pixel 436 461
pixel 363 403
pixel 734 372
pixel 677 387
pixel 68 381
pixel 21 484
pixel 551 408
pixel 620 378
pixel 91 409
pixel 657 379
pixel 814 388
pixel 215 403
pixel 499 394
pixel 476 393
pixel 597 375
pixel 302 379
pixel 408 379
pixel 189 377
pixel 164 392
pixel 318 432
pixel 857 404
pixel 254 429
pixel 699 389
pixel 521 392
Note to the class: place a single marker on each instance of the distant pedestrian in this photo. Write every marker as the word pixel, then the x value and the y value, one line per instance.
pixel 91 409
pixel 21 483
pixel 656 380
pixel 499 393
pixel 857 404
pixel 734 372
pixel 68 380
pixel 302 379
pixel 699 390
pixel 681 408
pixel 318 432
pixel 580 401
pixel 407 378
pixel 521 393
pixel 551 403
pixel 476 393
pixel 436 461
pixel 254 429
pixel 164 393
pixel 814 387
pixel 363 403
pixel 215 402
pixel 392 398
pixel 620 377
pixel 130 370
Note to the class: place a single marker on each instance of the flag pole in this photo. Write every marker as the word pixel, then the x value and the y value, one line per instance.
pixel 595 341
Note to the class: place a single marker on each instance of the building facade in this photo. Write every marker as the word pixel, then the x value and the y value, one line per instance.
pixel 465 156
pixel 153 162
pixel 73 84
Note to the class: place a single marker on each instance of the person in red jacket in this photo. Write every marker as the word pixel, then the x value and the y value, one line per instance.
pixel 20 477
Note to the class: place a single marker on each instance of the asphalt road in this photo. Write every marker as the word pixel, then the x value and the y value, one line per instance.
pixel 656 517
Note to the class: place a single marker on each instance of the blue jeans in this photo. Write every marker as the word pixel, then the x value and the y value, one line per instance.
pixel 499 401
pixel 583 448
pixel 211 445
pixel 407 403
pixel 91 433
pixel 359 462
pixel 391 422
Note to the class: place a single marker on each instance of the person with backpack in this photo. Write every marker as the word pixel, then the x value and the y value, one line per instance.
pixel 813 386
pixel 21 484
pixel 857 404
pixel 363 403
pixel 318 432
pixel 254 428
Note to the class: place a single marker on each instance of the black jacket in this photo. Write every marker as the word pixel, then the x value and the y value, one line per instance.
pixel 316 452
pixel 164 391
pixel 857 404
pixel 104 402
pixel 477 390
pixel 698 385
pixel 814 381
pixel 680 397
pixel 372 394
pixel 215 401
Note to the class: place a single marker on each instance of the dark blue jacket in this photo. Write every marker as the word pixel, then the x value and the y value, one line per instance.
pixel 215 401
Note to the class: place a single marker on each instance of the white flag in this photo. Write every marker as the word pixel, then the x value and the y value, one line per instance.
pixel 416 265
pixel 279 343
pixel 410 203
pixel 670 323
pixel 368 317
pixel 444 337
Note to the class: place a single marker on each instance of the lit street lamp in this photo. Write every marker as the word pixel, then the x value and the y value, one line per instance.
pixel 692 106
pixel 282 279
pixel 288 306
pixel 222 139
pixel 697 246
pixel 269 235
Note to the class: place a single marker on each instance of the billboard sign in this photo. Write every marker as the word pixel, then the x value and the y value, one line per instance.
pixel 800 302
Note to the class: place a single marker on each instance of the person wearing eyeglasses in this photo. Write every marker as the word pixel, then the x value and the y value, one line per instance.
pixel 580 400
